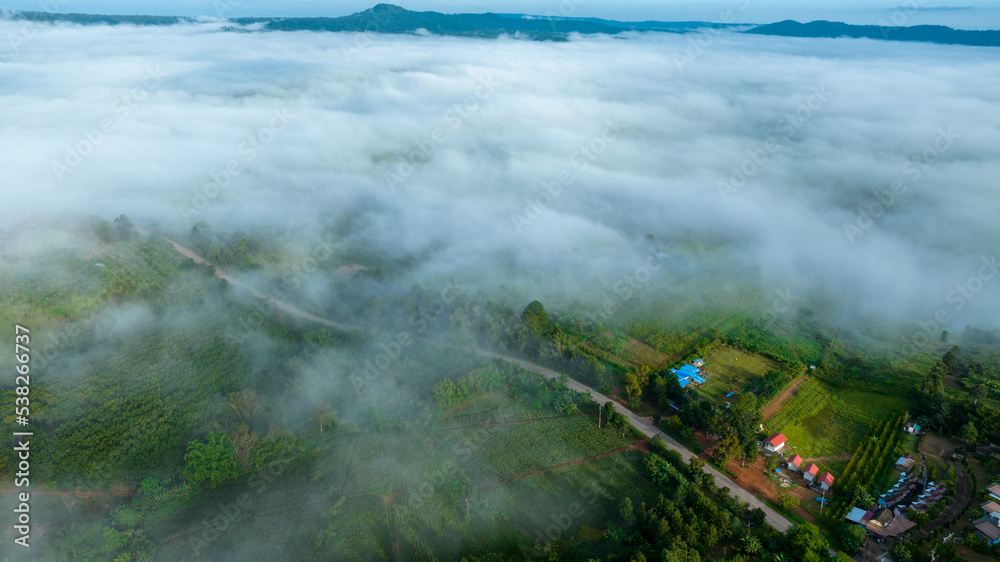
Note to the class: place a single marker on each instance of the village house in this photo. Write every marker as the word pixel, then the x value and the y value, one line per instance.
pixel 914 428
pixel 859 516
pixel 810 471
pixel 689 374
pixel 991 510
pixel 994 491
pixel 904 464
pixel 988 526
pixel 987 530
pixel 775 443
pixel 886 522
pixel 825 481
pixel 795 463
pixel 882 517
pixel 990 450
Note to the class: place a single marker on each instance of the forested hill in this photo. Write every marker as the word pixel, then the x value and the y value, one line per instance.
pixel 387 18
pixel 923 33
pixel 95 19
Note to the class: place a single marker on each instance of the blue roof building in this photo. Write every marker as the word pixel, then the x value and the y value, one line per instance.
pixel 688 374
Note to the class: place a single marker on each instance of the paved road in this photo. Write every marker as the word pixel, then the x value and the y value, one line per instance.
pixel 772 517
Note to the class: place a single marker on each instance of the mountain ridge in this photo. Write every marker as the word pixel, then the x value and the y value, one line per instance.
pixel 389 18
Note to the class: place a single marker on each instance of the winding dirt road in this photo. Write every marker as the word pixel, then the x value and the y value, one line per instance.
pixel 773 518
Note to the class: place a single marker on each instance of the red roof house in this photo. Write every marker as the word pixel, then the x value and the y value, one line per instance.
pixel 795 462
pixel 810 471
pixel 775 442
pixel 825 480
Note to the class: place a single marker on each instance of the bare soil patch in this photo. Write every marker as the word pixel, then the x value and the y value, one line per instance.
pixel 774 405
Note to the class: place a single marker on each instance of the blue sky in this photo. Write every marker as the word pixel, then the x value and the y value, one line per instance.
pixel 969 14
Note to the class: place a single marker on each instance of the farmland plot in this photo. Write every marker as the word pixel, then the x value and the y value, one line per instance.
pixel 820 422
pixel 494 453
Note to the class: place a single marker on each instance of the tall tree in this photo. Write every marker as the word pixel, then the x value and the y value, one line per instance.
pixel 325 417
pixel 729 448
pixel 744 419
pixel 806 543
pixel 850 537
pixel 243 442
pixel 212 462
pixel 123 227
pixel 535 317
pixel 969 434
pixel 246 404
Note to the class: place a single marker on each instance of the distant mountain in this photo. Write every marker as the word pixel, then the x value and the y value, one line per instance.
pixel 387 18
pixel 95 19
pixel 925 33
pixel 649 25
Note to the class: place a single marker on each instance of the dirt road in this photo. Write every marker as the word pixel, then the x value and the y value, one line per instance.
pixel 284 307
pixel 772 517
pixel 774 405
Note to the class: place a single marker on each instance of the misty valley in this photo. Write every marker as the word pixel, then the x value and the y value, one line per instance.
pixel 407 285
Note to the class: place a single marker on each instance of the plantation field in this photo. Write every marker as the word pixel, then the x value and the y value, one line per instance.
pixel 827 424
pixel 626 351
pixel 453 489
pixel 490 409
pixel 730 370
pixel 494 453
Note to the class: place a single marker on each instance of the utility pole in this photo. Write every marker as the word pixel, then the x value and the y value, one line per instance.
pixel 822 503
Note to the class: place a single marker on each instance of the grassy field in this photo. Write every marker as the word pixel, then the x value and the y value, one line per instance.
pixel 910 444
pixel 730 370
pixel 626 351
pixel 480 479
pixel 825 424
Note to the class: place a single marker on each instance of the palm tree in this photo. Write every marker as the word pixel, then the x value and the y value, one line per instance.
pixel 752 545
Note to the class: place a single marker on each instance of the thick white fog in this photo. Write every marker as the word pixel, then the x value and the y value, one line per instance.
pixel 548 163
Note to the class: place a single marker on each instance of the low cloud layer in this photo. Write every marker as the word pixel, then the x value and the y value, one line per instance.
pixel 860 170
